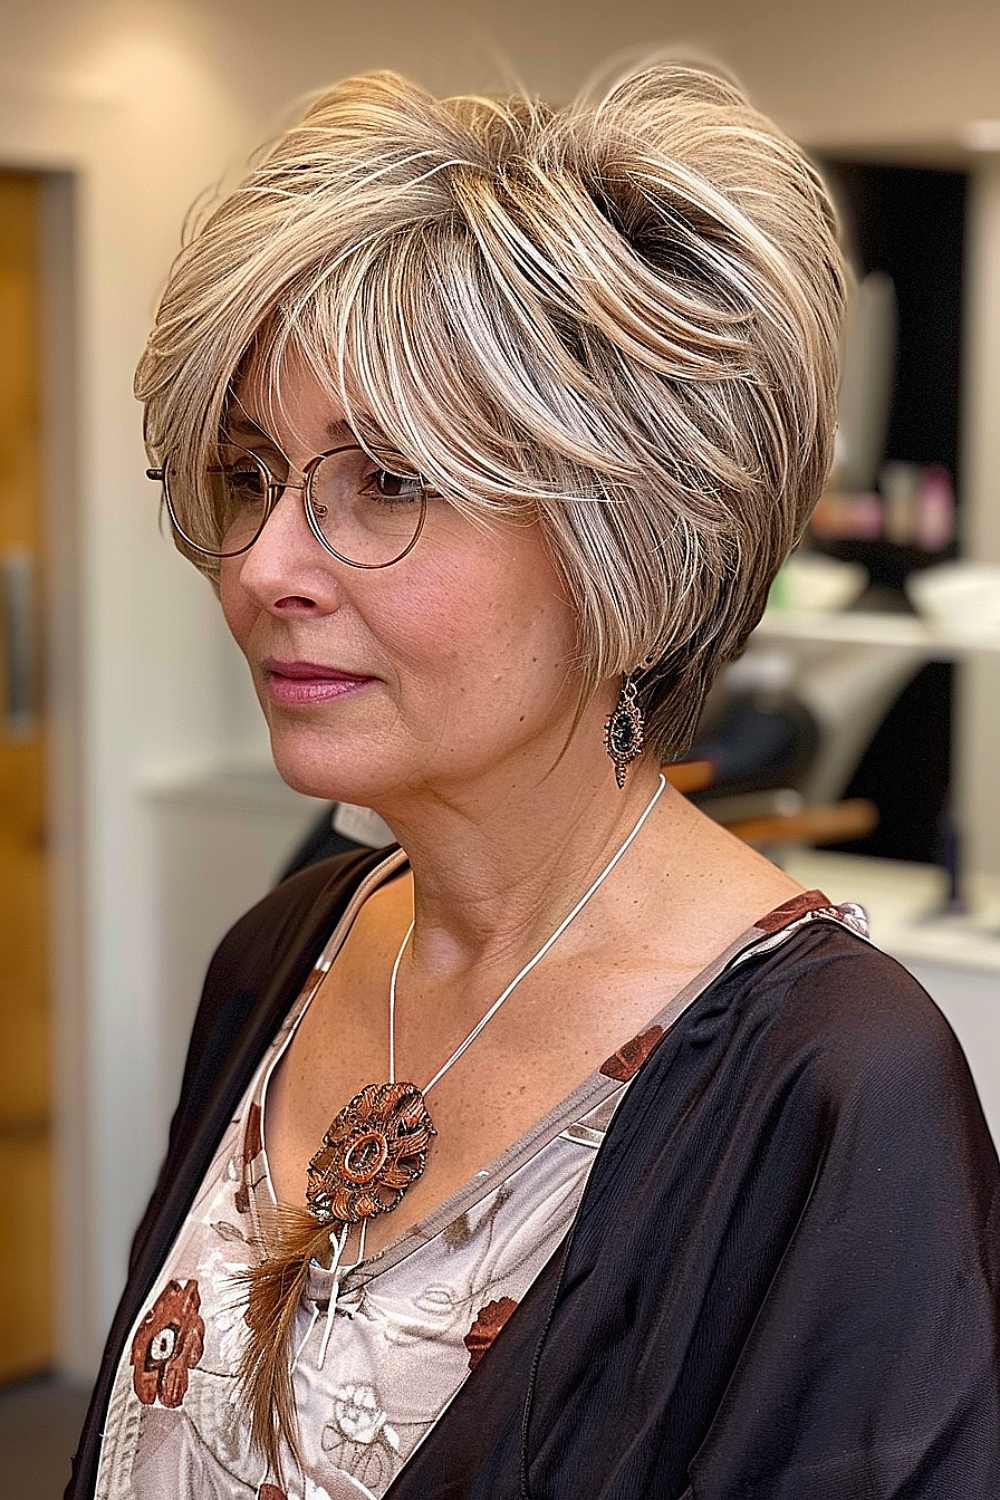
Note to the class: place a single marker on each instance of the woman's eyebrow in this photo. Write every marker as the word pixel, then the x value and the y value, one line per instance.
pixel 240 423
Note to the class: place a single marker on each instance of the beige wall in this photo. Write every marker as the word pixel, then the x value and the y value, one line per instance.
pixel 144 105
pixel 887 70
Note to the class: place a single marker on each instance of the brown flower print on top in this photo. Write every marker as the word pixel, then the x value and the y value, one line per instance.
pixel 253 1144
pixel 252 1141
pixel 484 1330
pixel 168 1343
pixel 271 1492
pixel 791 910
pixel 626 1062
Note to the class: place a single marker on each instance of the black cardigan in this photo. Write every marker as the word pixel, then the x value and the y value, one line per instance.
pixel 783 1282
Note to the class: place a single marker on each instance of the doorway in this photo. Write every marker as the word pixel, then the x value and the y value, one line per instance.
pixel 25 1023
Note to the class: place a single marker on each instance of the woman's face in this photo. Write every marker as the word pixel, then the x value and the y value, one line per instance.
pixel 452 664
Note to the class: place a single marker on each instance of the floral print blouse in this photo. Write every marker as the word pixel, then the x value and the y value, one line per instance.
pixel 379 1348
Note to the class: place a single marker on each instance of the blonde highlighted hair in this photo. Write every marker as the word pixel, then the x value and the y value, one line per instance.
pixel 620 318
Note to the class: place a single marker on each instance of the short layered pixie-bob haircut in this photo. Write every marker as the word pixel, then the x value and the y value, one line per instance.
pixel 618 319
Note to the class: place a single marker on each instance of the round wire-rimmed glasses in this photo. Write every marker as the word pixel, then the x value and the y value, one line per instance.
pixel 363 515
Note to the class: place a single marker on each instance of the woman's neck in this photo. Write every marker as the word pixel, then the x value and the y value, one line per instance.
pixel 496 867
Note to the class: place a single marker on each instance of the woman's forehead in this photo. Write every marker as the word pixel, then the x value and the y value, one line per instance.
pixel 289 404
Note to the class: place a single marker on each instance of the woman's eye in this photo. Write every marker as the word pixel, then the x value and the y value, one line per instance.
pixel 398 486
pixel 247 485
pixel 237 482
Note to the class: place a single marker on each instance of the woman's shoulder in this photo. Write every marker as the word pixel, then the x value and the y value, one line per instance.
pixel 831 979
pixel 804 1050
pixel 850 1021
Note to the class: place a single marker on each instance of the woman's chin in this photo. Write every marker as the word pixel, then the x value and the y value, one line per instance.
pixel 328 783
pixel 329 775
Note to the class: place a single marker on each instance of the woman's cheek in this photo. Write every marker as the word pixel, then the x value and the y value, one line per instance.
pixel 237 608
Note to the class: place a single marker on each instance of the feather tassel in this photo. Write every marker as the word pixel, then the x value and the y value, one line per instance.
pixel 274 1293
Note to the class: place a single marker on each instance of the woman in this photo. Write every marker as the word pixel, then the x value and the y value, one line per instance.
pixel 576 1150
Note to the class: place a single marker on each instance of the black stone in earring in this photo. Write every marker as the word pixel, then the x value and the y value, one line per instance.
pixel 625 731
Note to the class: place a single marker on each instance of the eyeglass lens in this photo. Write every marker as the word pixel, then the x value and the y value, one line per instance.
pixel 365 514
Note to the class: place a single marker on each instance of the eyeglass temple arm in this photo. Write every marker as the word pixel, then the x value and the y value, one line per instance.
pixel 156 474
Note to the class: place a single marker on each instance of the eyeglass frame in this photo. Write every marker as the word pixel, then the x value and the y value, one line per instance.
pixel 275 489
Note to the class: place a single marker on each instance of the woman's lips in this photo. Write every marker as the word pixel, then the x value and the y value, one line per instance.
pixel 291 683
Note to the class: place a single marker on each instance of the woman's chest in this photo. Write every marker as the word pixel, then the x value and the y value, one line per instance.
pixel 376 1353
pixel 331 1115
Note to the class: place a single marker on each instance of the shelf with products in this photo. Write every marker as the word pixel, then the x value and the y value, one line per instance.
pixel 894 505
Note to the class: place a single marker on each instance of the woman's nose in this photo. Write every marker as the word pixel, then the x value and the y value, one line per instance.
pixel 286 563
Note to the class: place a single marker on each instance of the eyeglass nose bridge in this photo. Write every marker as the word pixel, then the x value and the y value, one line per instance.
pixel 277 488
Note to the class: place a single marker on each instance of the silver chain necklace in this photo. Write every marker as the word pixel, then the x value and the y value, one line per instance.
pixel 377 1146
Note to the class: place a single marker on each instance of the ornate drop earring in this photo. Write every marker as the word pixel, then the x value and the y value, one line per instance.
pixel 625 731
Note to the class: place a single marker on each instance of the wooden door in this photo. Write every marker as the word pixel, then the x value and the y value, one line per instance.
pixel 25 1172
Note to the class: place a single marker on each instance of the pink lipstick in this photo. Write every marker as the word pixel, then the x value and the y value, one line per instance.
pixel 300 683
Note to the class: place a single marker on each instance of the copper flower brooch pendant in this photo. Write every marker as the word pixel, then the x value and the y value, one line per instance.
pixel 373 1151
